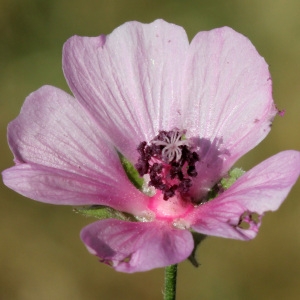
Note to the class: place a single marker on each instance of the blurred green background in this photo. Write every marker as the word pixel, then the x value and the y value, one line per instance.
pixel 41 254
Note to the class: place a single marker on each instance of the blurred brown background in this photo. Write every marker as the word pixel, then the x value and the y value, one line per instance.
pixel 41 254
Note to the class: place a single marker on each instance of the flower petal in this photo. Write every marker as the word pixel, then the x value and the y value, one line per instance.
pixel 221 219
pixel 261 189
pixel 134 247
pixel 265 186
pixel 129 81
pixel 65 150
pixel 60 187
pixel 227 93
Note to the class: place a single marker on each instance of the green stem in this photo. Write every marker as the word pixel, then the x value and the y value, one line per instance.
pixel 170 282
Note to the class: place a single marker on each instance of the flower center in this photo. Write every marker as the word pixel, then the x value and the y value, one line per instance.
pixel 169 161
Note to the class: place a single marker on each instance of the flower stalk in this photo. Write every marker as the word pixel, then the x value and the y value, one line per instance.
pixel 170 282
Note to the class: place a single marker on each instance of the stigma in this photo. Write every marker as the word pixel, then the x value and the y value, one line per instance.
pixel 169 162
pixel 171 142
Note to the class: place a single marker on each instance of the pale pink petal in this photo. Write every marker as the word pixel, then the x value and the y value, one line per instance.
pixel 221 219
pixel 135 247
pixel 261 189
pixel 55 136
pixel 227 94
pixel 265 186
pixel 210 167
pixel 129 81
pixel 56 186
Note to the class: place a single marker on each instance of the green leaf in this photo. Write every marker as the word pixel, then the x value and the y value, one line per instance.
pixel 131 172
pixel 231 178
pixel 103 212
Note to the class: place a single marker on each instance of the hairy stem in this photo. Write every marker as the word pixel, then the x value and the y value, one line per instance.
pixel 170 282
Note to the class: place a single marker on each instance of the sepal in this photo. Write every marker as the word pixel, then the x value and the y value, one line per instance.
pixel 103 212
pixel 198 238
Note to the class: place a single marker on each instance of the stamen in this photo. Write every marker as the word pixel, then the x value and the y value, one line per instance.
pixel 169 162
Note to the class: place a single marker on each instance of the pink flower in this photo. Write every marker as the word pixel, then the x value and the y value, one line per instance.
pixel 191 110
